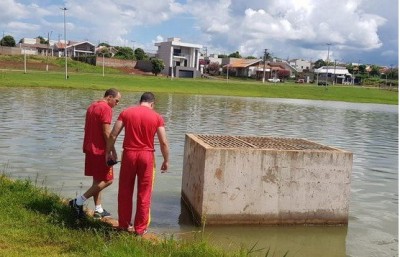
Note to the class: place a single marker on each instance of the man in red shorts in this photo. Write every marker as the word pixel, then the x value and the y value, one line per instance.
pixel 141 124
pixel 97 131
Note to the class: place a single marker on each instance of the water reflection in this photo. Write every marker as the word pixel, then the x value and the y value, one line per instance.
pixel 41 138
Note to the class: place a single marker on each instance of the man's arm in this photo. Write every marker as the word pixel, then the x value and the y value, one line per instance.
pixel 162 138
pixel 110 142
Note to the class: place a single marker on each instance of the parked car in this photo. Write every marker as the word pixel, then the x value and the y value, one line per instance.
pixel 274 80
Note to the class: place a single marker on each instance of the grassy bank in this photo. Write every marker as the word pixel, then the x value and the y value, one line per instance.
pixel 197 86
pixel 36 222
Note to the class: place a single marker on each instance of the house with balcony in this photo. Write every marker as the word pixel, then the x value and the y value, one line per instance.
pixel 180 59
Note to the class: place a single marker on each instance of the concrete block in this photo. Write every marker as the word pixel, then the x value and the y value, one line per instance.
pixel 265 180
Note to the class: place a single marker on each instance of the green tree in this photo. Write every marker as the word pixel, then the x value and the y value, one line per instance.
pixel 125 53
pixel 362 68
pixel 393 73
pixel 140 54
pixel 42 40
pixel 250 57
pixel 319 63
pixel 7 41
pixel 157 66
pixel 350 68
pixel 374 71
pixel 235 55
pixel 222 56
pixel 104 44
pixel 104 51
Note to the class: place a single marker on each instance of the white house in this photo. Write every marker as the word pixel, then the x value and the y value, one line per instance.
pixel 300 64
pixel 335 74
pixel 180 59
pixel 213 58
pixel 75 49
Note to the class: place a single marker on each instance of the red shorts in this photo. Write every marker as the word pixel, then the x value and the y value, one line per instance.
pixel 95 166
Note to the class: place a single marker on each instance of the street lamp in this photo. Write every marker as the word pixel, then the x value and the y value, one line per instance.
pixel 65 44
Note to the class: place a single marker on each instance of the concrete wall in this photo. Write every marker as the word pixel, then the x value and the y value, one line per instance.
pixel 144 65
pixel 265 186
pixel 10 50
pixel 113 62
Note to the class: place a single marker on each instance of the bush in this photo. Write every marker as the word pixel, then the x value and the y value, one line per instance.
pixel 157 66
pixel 86 59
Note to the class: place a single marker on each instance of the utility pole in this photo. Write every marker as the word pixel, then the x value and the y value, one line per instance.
pixel 48 49
pixel 65 45
pixel 334 75
pixel 327 66
pixel 265 59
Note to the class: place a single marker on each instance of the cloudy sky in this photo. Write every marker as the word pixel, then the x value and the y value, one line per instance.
pixel 364 31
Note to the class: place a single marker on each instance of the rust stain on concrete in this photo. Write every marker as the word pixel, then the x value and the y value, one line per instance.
pixel 219 174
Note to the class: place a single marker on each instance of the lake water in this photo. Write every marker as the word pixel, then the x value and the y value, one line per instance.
pixel 41 134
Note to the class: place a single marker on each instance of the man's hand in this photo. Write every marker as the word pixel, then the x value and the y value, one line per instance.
pixel 164 167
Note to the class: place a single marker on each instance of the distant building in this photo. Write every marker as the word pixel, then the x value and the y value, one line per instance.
pixel 180 59
pixel 213 58
pixel 75 49
pixel 334 74
pixel 300 65
pixel 33 46
pixel 241 67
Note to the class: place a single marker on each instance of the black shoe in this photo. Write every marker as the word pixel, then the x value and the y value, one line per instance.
pixel 78 209
pixel 99 215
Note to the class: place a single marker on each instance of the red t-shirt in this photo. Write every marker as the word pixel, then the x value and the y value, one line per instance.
pixel 141 124
pixel 97 114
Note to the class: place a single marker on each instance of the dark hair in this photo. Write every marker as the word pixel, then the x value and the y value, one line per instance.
pixel 147 97
pixel 112 92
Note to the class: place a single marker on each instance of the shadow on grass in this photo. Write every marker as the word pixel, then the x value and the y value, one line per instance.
pixel 59 213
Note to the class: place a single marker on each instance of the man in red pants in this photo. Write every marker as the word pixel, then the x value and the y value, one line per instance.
pixel 97 130
pixel 141 124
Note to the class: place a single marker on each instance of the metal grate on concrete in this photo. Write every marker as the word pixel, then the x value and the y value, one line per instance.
pixel 271 143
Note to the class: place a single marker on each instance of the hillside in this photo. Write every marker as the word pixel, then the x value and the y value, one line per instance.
pixel 57 64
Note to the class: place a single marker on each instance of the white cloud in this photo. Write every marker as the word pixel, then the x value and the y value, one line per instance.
pixel 11 10
pixel 285 24
pixel 21 26
pixel 287 28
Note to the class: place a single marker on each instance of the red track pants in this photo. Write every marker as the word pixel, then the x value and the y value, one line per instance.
pixel 134 164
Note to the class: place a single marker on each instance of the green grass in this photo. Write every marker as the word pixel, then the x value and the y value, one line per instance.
pixel 85 76
pixel 36 222
pixel 79 80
